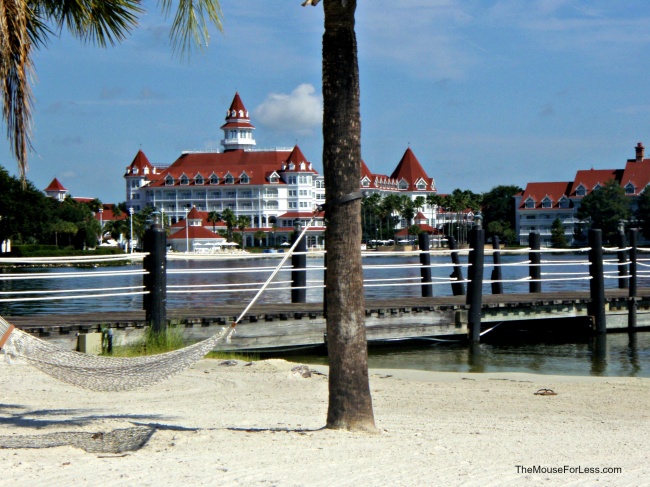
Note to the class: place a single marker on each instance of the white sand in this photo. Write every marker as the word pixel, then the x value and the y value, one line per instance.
pixel 262 425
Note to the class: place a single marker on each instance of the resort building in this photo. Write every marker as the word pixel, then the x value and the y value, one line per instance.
pixel 540 204
pixel 273 188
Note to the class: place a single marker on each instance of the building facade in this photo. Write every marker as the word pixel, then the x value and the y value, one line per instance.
pixel 273 188
pixel 541 203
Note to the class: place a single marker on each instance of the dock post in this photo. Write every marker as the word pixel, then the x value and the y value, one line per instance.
pixel 475 288
pixel 597 282
pixel 425 260
pixel 632 301
pixel 299 272
pixel 155 282
pixel 497 287
pixel 535 269
pixel 457 288
pixel 623 282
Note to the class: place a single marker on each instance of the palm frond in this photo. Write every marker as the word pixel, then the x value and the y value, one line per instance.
pixel 190 24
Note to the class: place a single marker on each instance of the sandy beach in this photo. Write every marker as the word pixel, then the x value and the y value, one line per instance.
pixel 262 424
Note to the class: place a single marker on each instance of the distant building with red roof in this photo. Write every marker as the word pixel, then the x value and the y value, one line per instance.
pixel 540 204
pixel 56 190
pixel 272 187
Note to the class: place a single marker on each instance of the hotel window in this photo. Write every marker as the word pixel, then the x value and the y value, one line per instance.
pixel 564 203
pixel 231 194
pixel 185 180
pixel 216 194
pixel 422 185
pixel 581 191
pixel 199 180
pixel 273 178
pixel 629 188
pixel 169 181
pixel 547 203
pixel 293 204
pixel 229 179
pixel 293 180
pixel 244 179
pixel 530 203
pixel 214 179
pixel 293 192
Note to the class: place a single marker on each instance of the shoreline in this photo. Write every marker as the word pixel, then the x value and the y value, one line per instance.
pixel 262 424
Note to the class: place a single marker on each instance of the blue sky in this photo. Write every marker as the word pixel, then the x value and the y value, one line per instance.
pixel 484 92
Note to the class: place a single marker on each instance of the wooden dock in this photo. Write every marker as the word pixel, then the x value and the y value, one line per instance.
pixel 289 326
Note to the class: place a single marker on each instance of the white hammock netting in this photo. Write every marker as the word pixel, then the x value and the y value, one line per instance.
pixel 103 373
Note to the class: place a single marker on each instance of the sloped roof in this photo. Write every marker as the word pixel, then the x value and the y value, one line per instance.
pixel 637 173
pixel 138 166
pixel 237 115
pixel 539 191
pixel 193 232
pixel 591 177
pixel 55 185
pixel 297 158
pixel 410 170
pixel 108 214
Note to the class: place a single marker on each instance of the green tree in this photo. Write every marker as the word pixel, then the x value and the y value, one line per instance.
pixel 243 222
pixel 259 236
pixel 605 208
pixel 643 212
pixel 26 26
pixel 214 217
pixel 63 228
pixel 229 218
pixel 498 209
pixel 558 240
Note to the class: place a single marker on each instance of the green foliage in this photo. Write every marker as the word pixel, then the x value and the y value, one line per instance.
pixel 153 343
pixel 558 240
pixel 643 213
pixel 499 212
pixel 40 250
pixel 605 208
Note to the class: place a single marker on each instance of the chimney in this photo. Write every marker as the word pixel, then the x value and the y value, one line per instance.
pixel 639 152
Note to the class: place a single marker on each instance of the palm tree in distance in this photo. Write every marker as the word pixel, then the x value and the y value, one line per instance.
pixel 243 222
pixel 230 219
pixel 214 217
pixel 26 25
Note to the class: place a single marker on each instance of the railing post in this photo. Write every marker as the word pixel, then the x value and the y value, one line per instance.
pixel 497 287
pixel 155 303
pixel 597 282
pixel 425 260
pixel 535 269
pixel 475 288
pixel 632 301
pixel 622 258
pixel 299 272
pixel 457 288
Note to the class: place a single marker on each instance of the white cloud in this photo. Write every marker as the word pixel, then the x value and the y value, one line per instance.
pixel 299 112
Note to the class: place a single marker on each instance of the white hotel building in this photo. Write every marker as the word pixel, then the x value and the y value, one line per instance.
pixel 272 187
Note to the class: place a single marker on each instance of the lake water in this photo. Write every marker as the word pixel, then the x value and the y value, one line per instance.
pixel 618 355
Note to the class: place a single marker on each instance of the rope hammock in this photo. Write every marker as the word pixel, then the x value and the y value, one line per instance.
pixel 100 373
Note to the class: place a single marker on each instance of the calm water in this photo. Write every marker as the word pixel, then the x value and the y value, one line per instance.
pixel 618 355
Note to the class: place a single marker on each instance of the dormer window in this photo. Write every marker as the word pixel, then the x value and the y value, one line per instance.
pixel 184 180
pixel 530 203
pixel 244 179
pixel 146 170
pixel 365 182
pixel 229 179
pixel 292 166
pixel 214 179
pixel 198 180
pixel 564 202
pixel 597 187
pixel 630 189
pixel 403 184
pixel 547 203
pixel 169 180
pixel 134 170
pixel 581 190
pixel 302 166
pixel 274 178
pixel 421 185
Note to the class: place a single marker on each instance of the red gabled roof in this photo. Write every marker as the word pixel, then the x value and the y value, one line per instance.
pixel 55 185
pixel 377 181
pixel 296 158
pixel 539 191
pixel 140 166
pixel 108 215
pixel 193 232
pixel 410 170
pixel 637 173
pixel 301 214
pixel 590 178
pixel 237 116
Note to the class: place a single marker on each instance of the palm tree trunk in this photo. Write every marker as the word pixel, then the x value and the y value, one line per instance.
pixel 350 403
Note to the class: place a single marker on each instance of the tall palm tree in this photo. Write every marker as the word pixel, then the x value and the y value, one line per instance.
pixel 243 222
pixel 350 402
pixel 230 219
pixel 26 25
pixel 214 217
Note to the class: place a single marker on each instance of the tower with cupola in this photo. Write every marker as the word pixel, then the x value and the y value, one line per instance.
pixel 238 130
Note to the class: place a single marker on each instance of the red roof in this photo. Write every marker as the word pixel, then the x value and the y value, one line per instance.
pixel 108 215
pixel 539 191
pixel 193 232
pixel 592 178
pixel 256 165
pixel 637 173
pixel 55 185
pixel 237 115
pixel 410 170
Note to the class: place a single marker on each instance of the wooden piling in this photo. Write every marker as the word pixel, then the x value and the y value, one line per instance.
pixel 155 278
pixel 475 287
pixel 457 288
pixel 632 289
pixel 535 269
pixel 497 287
pixel 425 259
pixel 597 282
